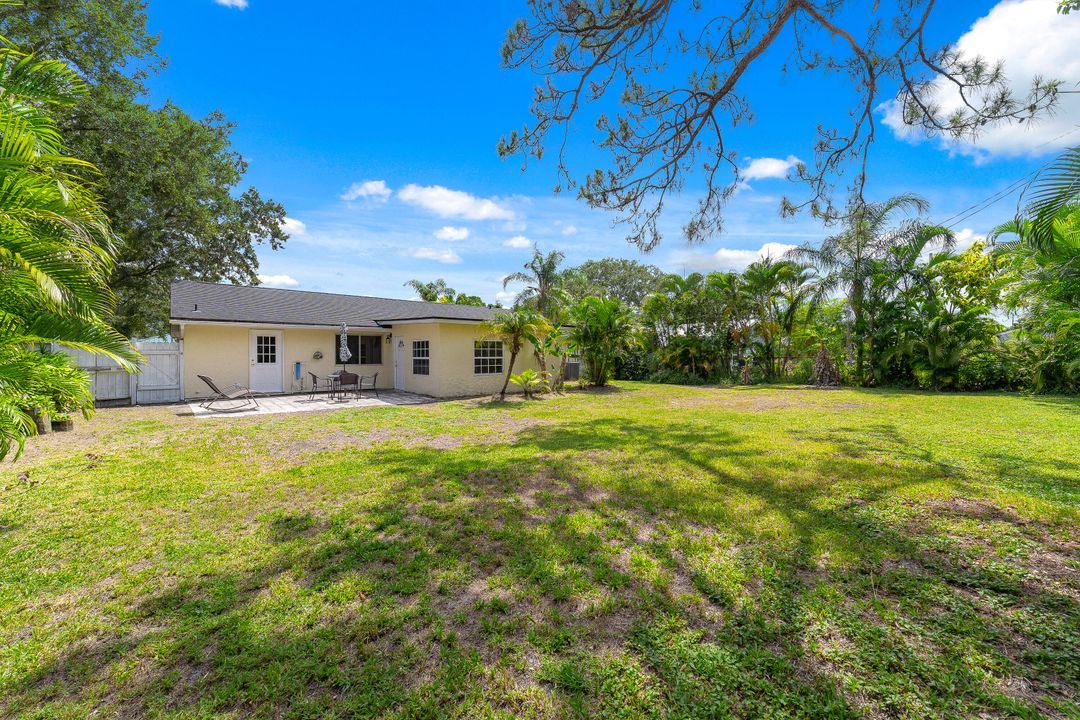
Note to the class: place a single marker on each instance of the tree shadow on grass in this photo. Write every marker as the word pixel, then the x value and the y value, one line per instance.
pixel 555 577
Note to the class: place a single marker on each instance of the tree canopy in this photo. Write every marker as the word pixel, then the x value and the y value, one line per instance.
pixel 669 122
pixel 56 252
pixel 628 280
pixel 172 184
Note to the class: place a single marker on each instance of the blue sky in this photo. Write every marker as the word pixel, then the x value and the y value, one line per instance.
pixel 375 124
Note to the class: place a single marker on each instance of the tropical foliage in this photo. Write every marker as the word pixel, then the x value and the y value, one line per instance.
pixel 542 280
pixel 173 183
pixel 439 291
pixel 885 300
pixel 1042 286
pixel 56 253
pixel 602 329
pixel 531 382
pixel 514 328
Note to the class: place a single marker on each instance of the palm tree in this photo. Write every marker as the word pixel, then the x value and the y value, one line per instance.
pixel 1055 189
pixel 437 291
pixel 602 328
pixel 542 279
pixel 1045 286
pixel 56 252
pixel 514 328
pixel 779 292
pixel 867 244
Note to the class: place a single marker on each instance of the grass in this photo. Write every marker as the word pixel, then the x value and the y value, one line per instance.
pixel 648 552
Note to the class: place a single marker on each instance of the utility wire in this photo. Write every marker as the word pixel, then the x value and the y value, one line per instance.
pixel 955 219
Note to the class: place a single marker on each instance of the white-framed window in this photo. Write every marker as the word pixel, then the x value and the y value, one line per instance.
pixel 421 357
pixel 487 357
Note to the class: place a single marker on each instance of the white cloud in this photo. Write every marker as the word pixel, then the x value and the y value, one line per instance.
pixel 238 4
pixel 293 226
pixel 505 297
pixel 569 230
pixel 518 241
pixel 728 258
pixel 767 167
pixel 279 280
pixel 966 238
pixel 1032 39
pixel 448 203
pixel 367 190
pixel 451 233
pixel 438 255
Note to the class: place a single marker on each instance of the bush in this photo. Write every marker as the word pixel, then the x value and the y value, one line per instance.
pixel 994 370
pixel 635 365
pixel 666 376
pixel 801 372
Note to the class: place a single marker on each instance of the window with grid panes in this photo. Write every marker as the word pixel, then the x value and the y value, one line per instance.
pixel 421 357
pixel 265 349
pixel 487 357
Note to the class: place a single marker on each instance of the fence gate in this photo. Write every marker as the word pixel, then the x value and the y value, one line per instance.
pixel 159 381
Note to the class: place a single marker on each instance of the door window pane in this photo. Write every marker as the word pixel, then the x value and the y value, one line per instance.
pixel 266 349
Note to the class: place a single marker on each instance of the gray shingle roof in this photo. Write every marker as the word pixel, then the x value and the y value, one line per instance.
pixel 209 302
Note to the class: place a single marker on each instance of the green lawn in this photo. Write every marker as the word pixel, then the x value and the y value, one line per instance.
pixel 645 552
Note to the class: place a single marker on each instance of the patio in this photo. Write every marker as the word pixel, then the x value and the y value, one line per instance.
pixel 278 404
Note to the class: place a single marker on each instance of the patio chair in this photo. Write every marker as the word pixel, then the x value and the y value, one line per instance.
pixel 367 383
pixel 348 381
pixel 315 385
pixel 232 392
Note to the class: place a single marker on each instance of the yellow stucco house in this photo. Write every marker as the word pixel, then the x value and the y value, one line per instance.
pixel 270 339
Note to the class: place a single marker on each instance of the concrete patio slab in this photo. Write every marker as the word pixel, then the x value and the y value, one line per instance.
pixel 277 404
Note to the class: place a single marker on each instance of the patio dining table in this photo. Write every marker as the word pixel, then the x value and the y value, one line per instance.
pixel 333 384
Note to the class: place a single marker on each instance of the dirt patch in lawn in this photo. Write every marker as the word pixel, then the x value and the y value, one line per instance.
pixel 504 430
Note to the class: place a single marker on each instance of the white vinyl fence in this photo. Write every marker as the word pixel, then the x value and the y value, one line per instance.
pixel 159 381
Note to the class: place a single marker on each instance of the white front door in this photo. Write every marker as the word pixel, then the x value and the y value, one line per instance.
pixel 266 375
pixel 399 365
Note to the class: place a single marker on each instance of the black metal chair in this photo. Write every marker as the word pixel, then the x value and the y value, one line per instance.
pixel 315 385
pixel 347 381
pixel 368 383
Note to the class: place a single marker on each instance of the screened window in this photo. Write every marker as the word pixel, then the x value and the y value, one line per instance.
pixel 421 357
pixel 266 349
pixel 365 349
pixel 487 357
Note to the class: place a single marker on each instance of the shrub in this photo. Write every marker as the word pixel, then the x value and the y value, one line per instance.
pixel 531 382
pixel 994 370
pixel 635 365
pixel 667 376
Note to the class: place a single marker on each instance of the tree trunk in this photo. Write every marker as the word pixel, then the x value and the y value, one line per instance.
pixel 541 360
pixel 509 370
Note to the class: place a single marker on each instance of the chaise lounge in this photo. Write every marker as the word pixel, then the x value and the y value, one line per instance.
pixel 232 392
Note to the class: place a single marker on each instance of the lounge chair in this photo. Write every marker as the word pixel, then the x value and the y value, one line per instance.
pixel 367 383
pixel 232 392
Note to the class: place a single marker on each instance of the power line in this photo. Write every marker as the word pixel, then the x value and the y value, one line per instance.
pixel 955 219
